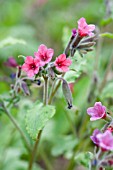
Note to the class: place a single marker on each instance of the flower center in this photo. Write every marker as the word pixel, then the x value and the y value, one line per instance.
pixel 44 57
pixel 33 66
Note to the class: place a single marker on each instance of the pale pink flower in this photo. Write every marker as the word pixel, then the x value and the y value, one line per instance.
pixel 97 112
pixel 31 66
pixel 62 63
pixel 44 54
pixel 105 140
pixel 84 29
pixel 94 136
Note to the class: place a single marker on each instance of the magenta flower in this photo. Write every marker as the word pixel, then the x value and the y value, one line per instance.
pixel 94 136
pixel 44 54
pixel 11 62
pixel 97 112
pixel 31 66
pixel 62 63
pixel 84 29
pixel 105 140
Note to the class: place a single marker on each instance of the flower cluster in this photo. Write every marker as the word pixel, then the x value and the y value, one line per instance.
pixel 83 28
pixel 42 57
pixel 82 38
pixel 102 139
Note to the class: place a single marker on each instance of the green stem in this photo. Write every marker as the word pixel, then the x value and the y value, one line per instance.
pixel 34 151
pixel 45 102
pixel 53 92
pixel 18 128
pixel 45 93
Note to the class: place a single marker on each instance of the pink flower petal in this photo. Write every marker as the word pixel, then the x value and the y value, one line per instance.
pixel 84 29
pixel 42 49
pixel 30 73
pixel 25 67
pixel 50 53
pixel 29 59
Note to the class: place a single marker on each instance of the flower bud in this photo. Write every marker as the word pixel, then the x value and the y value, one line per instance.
pixel 25 89
pixel 51 73
pixel 86 45
pixel 67 93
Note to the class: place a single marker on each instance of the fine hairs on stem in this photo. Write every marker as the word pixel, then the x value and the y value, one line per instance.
pixel 45 102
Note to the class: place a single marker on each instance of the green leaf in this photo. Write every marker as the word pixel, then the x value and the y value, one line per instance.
pixel 107 21
pixel 71 76
pixel 13 161
pixel 107 34
pixel 107 91
pixel 84 158
pixel 37 117
pixel 66 144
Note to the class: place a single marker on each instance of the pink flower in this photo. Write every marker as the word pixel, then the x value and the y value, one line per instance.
pixel 31 66
pixel 97 112
pixel 105 140
pixel 94 136
pixel 84 29
pixel 62 63
pixel 44 54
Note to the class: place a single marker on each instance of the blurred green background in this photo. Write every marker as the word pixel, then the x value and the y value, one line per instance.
pixel 24 25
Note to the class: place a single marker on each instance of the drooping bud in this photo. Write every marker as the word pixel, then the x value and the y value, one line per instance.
pixel 24 88
pixel 67 93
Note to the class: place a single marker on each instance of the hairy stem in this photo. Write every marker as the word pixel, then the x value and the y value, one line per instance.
pixel 45 102
pixel 18 128
pixel 34 151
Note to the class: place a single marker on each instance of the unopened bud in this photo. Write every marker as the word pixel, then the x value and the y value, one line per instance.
pixel 67 93
pixel 76 40
pixel 90 39
pixel 51 73
pixel 25 88
pixel 86 45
